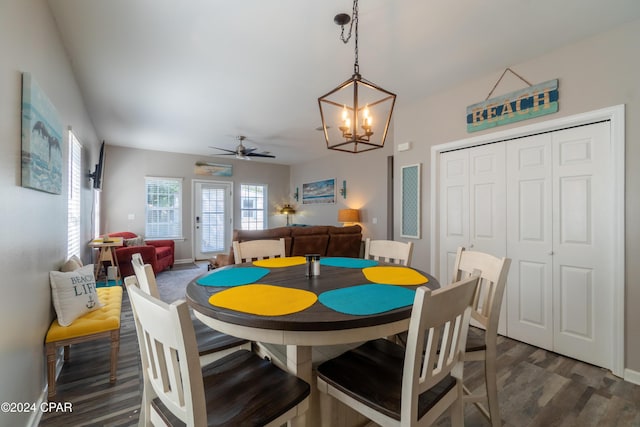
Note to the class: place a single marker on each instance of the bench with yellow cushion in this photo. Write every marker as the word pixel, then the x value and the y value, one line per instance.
pixel 101 323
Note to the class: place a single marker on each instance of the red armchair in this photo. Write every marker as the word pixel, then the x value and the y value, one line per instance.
pixel 157 253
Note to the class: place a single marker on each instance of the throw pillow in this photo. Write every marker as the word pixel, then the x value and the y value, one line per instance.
pixel 136 241
pixel 74 293
pixel 71 264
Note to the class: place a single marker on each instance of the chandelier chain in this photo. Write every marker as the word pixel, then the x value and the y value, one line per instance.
pixel 345 40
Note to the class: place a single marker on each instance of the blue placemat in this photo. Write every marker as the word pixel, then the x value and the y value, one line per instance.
pixel 348 262
pixel 367 299
pixel 233 276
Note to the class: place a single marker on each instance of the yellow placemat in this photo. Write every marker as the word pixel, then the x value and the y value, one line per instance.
pixel 394 275
pixel 280 262
pixel 264 300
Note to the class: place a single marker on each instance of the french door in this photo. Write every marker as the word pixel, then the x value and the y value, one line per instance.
pixel 212 218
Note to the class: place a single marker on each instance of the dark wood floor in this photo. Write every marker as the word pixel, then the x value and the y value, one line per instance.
pixel 537 388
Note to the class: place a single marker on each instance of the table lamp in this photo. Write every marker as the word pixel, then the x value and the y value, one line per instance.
pixel 348 215
pixel 287 209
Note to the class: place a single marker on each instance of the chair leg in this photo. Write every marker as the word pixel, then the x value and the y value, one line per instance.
pixel 327 409
pixel 491 384
pixel 51 370
pixel 115 348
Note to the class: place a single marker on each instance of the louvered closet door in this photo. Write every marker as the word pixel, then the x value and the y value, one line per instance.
pixel 582 230
pixel 530 245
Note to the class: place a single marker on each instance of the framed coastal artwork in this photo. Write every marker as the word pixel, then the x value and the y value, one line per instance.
pixel 212 169
pixel 41 140
pixel 410 201
pixel 319 192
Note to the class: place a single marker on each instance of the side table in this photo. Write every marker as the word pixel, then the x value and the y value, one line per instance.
pixel 106 253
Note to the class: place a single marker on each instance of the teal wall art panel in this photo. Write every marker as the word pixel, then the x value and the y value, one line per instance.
pixel 410 201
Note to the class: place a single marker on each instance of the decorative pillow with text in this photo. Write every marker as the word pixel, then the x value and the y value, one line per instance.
pixel 72 264
pixel 74 293
pixel 136 241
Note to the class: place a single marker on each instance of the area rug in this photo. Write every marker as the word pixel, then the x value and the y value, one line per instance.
pixel 173 283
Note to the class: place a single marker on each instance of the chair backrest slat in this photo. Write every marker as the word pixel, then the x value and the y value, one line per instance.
pixel 436 339
pixel 258 249
pixel 145 275
pixel 493 273
pixel 389 251
pixel 169 355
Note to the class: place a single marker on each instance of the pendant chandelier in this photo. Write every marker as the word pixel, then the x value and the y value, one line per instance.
pixel 356 114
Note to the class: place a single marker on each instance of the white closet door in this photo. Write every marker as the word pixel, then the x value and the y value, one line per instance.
pixel 582 233
pixel 487 208
pixel 473 206
pixel 454 209
pixel 487 199
pixel 530 245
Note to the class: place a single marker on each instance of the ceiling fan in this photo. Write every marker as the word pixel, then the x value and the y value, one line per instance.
pixel 242 152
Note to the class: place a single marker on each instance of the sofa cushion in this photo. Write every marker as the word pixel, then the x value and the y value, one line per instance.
pixel 124 235
pixel 74 293
pixel 309 240
pixel 345 241
pixel 163 251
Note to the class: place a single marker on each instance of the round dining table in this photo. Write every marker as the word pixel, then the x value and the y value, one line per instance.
pixel 316 325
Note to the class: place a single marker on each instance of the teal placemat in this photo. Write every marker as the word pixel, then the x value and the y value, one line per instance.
pixel 367 299
pixel 348 262
pixel 233 276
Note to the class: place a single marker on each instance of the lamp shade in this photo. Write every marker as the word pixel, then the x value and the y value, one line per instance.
pixel 348 215
pixel 287 209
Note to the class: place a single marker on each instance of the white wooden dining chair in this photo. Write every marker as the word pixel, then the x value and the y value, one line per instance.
pixel 482 344
pixel 212 344
pixel 258 249
pixel 392 386
pixel 239 389
pixel 388 251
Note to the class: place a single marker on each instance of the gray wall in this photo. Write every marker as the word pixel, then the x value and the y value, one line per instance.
pixel 366 179
pixel 34 224
pixel 124 190
pixel 594 73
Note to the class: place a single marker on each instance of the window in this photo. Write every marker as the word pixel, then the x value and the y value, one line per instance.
pixel 73 201
pixel 164 208
pixel 252 206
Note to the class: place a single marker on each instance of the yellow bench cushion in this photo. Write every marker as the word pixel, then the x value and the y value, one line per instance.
pixel 106 318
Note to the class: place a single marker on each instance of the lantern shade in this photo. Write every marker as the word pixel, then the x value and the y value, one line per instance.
pixel 346 108
pixel 348 215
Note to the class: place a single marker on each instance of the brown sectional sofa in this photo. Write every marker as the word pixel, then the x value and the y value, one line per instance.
pixel 325 240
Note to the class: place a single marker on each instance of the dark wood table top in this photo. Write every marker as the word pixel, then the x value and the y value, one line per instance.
pixel 318 317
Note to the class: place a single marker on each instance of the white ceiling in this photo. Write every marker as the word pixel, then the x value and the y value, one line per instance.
pixel 183 75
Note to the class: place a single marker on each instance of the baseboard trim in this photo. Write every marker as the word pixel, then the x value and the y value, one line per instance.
pixel 632 376
pixel 36 416
pixel 184 261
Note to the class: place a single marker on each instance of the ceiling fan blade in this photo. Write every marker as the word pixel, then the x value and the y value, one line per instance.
pixel 224 149
pixel 261 155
